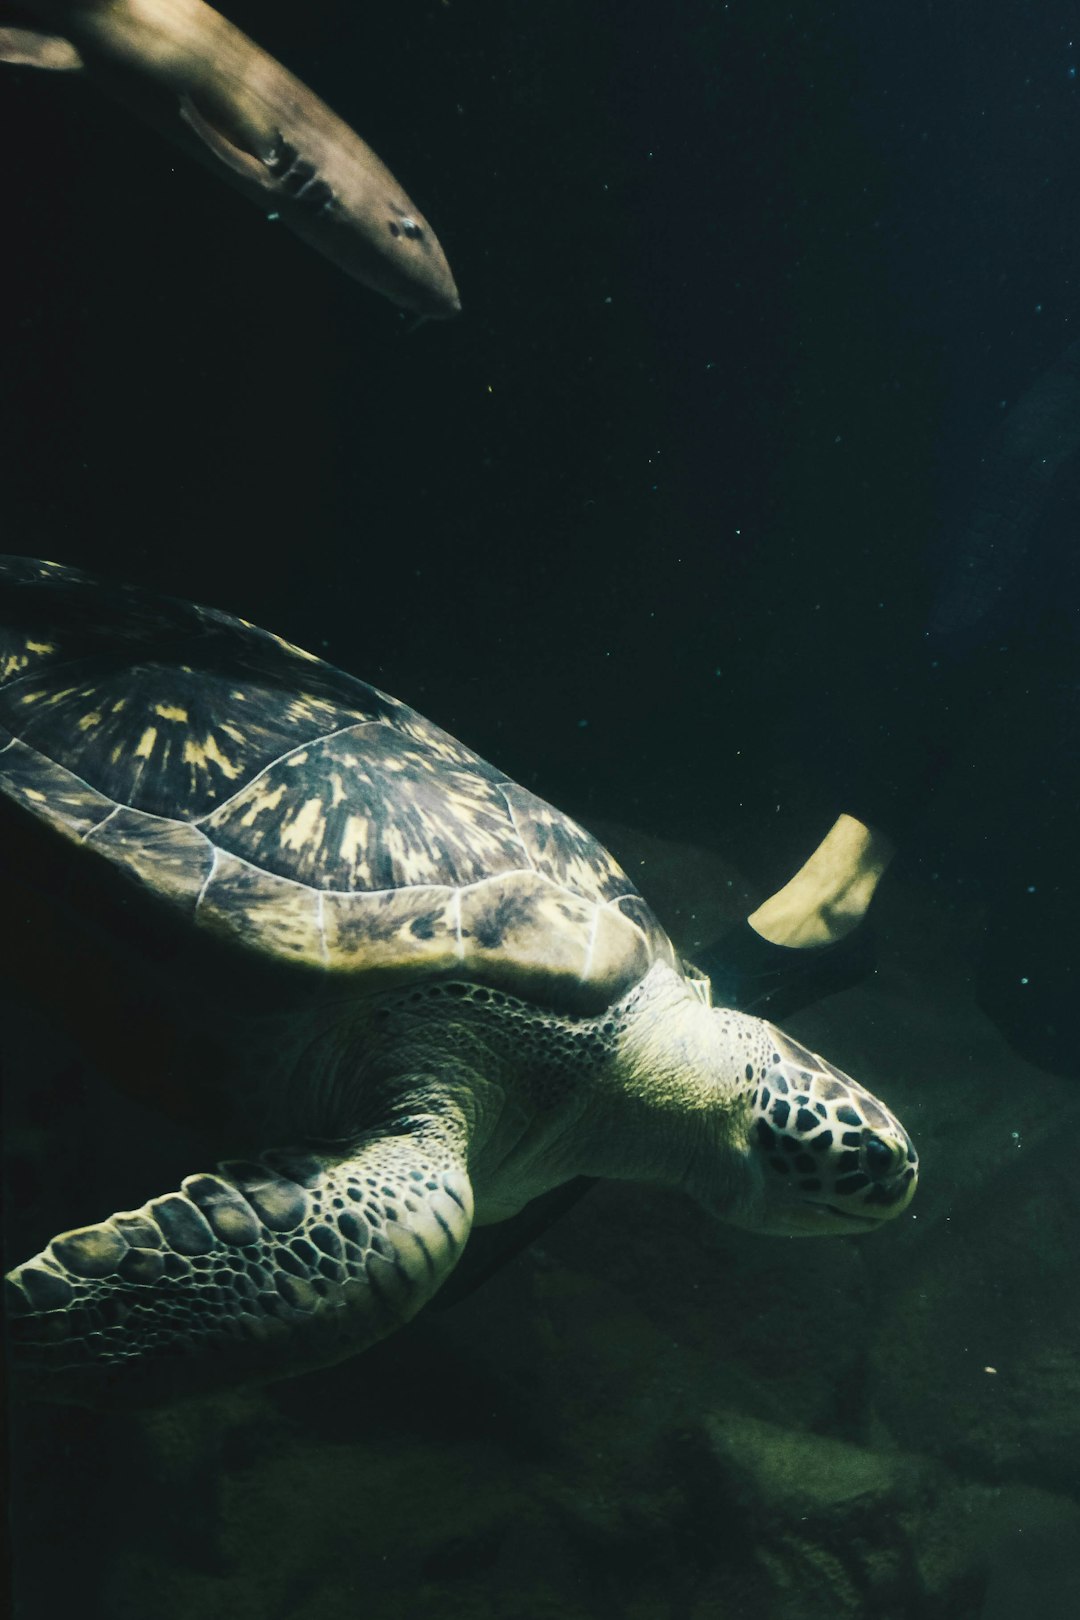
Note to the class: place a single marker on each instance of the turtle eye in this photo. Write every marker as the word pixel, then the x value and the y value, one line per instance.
pixel 880 1157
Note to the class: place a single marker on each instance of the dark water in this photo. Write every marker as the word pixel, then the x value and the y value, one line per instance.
pixel 764 371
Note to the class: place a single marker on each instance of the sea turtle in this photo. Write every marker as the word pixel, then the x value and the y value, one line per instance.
pixel 413 994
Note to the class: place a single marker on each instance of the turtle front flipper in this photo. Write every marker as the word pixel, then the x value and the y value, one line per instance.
pixel 261 1270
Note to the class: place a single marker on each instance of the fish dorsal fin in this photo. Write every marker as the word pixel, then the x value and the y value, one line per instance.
pixel 28 47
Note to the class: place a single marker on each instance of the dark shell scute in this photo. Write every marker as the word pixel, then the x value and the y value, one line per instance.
pixel 306 1169
pixel 142 1266
pixel 160 705
pixel 280 1204
pixel 94 1252
pixel 354 1228
pixel 560 849
pixel 185 1230
pixel 138 1231
pixel 369 808
pixel 229 1215
pixel 326 1239
pixel 44 1289
pixel 293 811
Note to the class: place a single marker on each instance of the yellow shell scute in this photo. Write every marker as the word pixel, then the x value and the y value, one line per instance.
pixel 303 829
pixel 267 914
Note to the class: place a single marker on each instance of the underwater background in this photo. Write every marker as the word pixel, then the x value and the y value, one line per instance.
pixel 748 472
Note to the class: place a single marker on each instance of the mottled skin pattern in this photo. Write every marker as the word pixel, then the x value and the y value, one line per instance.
pixel 472 1004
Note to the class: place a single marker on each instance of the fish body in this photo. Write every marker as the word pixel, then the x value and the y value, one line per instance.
pixel 271 136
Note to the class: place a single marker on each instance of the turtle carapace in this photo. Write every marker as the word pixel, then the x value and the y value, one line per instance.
pixel 412 995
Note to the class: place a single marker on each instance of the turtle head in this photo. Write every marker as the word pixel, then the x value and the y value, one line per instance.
pixel 821 1154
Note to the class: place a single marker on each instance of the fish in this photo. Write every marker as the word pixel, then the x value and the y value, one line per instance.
pixel 186 68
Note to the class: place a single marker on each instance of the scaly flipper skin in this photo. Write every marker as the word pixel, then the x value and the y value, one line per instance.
pixel 258 1271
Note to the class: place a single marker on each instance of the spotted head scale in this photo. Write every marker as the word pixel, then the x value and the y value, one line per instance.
pixel 828 1156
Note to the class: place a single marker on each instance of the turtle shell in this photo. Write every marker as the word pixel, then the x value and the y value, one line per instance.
pixel 271 800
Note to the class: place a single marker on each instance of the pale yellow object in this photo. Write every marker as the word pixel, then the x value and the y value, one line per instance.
pixel 829 895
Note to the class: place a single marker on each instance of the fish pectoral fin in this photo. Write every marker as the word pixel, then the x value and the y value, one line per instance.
pixel 27 47
pixel 236 148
